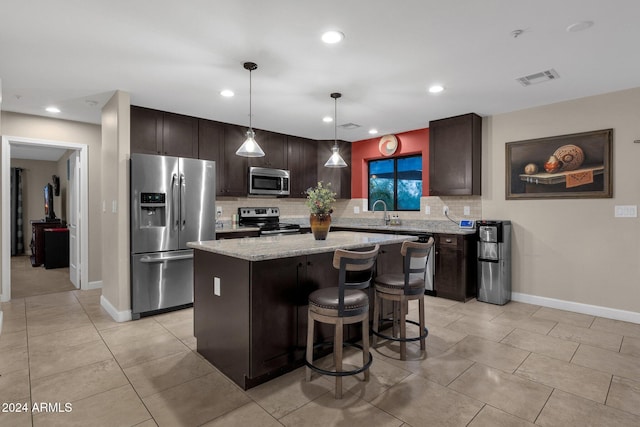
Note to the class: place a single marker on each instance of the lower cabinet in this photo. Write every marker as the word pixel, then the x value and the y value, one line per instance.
pixel 455 266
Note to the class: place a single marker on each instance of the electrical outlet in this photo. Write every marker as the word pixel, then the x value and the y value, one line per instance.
pixel 427 210
pixel 445 210
pixel 356 209
pixel 467 210
pixel 218 210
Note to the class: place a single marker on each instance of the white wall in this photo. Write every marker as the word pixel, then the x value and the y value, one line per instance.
pixel 572 249
pixel 36 127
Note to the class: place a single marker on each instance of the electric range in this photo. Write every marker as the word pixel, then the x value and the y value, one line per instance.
pixel 267 219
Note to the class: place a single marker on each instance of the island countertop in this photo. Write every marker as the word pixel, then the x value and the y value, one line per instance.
pixel 284 246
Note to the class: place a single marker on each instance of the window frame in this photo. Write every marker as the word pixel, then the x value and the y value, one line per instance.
pixel 395 181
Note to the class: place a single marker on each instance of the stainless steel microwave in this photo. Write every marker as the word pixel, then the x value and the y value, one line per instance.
pixel 268 182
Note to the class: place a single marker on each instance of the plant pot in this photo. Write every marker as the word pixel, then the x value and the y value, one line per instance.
pixel 320 224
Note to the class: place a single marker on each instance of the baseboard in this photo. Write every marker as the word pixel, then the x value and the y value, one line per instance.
pixel 94 285
pixel 118 316
pixel 594 310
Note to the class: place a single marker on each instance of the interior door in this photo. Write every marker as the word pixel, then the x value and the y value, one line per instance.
pixel 74 217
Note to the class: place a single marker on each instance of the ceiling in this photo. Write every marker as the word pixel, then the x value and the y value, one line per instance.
pixel 178 56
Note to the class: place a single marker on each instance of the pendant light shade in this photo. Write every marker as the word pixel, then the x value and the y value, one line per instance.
pixel 250 147
pixel 336 160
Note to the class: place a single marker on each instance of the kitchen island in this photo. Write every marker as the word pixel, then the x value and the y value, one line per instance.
pixel 250 297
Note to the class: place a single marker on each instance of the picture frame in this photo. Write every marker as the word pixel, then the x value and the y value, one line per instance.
pixel 560 167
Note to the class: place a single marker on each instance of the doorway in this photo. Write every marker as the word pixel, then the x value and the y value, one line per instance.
pixel 81 235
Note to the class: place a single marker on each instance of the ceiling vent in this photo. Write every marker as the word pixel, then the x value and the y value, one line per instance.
pixel 349 126
pixel 543 76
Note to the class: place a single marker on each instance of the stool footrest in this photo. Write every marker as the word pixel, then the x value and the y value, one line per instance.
pixel 341 373
pixel 388 337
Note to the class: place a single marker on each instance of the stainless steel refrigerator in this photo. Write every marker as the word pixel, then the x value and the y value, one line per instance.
pixel 172 203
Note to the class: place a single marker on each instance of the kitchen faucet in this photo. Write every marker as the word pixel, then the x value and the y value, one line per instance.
pixel 385 218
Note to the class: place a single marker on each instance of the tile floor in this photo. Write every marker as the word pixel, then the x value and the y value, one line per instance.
pixel 485 365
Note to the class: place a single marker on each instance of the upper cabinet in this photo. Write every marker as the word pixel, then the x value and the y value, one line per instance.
pixel 340 178
pixel 236 168
pixel 302 158
pixel 455 156
pixel 210 147
pixel 274 146
pixel 158 132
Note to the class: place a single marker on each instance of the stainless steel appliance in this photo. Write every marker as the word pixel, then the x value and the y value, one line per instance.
pixel 267 219
pixel 494 261
pixel 268 182
pixel 172 203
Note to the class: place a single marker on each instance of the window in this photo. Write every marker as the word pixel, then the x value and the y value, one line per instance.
pixel 397 181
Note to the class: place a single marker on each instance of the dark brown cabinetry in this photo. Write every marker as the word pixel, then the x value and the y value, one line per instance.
pixel 274 146
pixel 237 234
pixel 455 156
pixel 210 147
pixel 455 266
pixel 302 158
pixel 340 178
pixel 236 168
pixel 158 132
pixel 37 239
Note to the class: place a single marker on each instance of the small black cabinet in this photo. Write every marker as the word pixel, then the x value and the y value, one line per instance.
pixel 302 158
pixel 455 266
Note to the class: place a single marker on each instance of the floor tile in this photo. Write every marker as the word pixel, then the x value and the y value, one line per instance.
pixel 13 339
pixel 566 409
pixel 42 301
pixel 508 392
pixel 78 383
pixel 289 392
pixel 443 338
pixel 563 316
pixel 16 419
pixel 630 345
pixel 492 417
pixel 478 310
pixel 13 359
pixel 437 316
pixel 45 362
pixel 623 365
pixel 166 372
pixel 147 349
pixel 195 402
pixel 64 338
pixel 617 327
pixel 246 415
pixel 593 337
pixel 98 410
pixel 131 332
pixel 524 320
pixel 420 402
pixel 493 354
pixel 541 344
pixel 624 394
pixel 430 301
pixel 481 328
pixel 61 322
pixel 348 411
pixel 442 368
pixel 569 377
pixel 14 386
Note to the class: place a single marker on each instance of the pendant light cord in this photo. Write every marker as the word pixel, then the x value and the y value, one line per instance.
pixel 335 122
pixel 250 128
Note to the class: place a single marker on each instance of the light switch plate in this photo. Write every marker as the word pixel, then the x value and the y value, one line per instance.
pixel 467 210
pixel 216 286
pixel 626 211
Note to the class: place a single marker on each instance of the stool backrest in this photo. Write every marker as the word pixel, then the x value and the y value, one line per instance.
pixel 416 257
pixel 357 262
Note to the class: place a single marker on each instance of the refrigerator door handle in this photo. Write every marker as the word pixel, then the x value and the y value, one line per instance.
pixel 174 202
pixel 164 258
pixel 493 260
pixel 183 202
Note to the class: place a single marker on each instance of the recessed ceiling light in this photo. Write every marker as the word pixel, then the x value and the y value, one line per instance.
pixel 332 37
pixel 327 119
pixel 436 89
pixel 373 131
pixel 227 93
pixel 52 109
pixel 579 26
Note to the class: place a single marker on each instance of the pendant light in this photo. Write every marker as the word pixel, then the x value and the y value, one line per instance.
pixel 250 147
pixel 336 160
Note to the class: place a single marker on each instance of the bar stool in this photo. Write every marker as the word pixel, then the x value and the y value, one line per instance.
pixel 343 305
pixel 400 288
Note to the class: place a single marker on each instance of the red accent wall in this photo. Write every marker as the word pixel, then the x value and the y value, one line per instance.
pixel 411 142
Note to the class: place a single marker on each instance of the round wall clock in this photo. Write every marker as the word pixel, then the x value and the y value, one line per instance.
pixel 388 145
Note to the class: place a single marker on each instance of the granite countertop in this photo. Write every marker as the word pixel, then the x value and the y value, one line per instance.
pixel 410 228
pixel 283 246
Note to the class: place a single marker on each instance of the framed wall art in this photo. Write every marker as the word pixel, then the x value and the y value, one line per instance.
pixel 560 167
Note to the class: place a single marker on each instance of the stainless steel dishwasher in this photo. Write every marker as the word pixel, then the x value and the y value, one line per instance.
pixel 494 261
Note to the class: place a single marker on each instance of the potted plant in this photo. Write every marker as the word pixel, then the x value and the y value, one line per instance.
pixel 320 201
